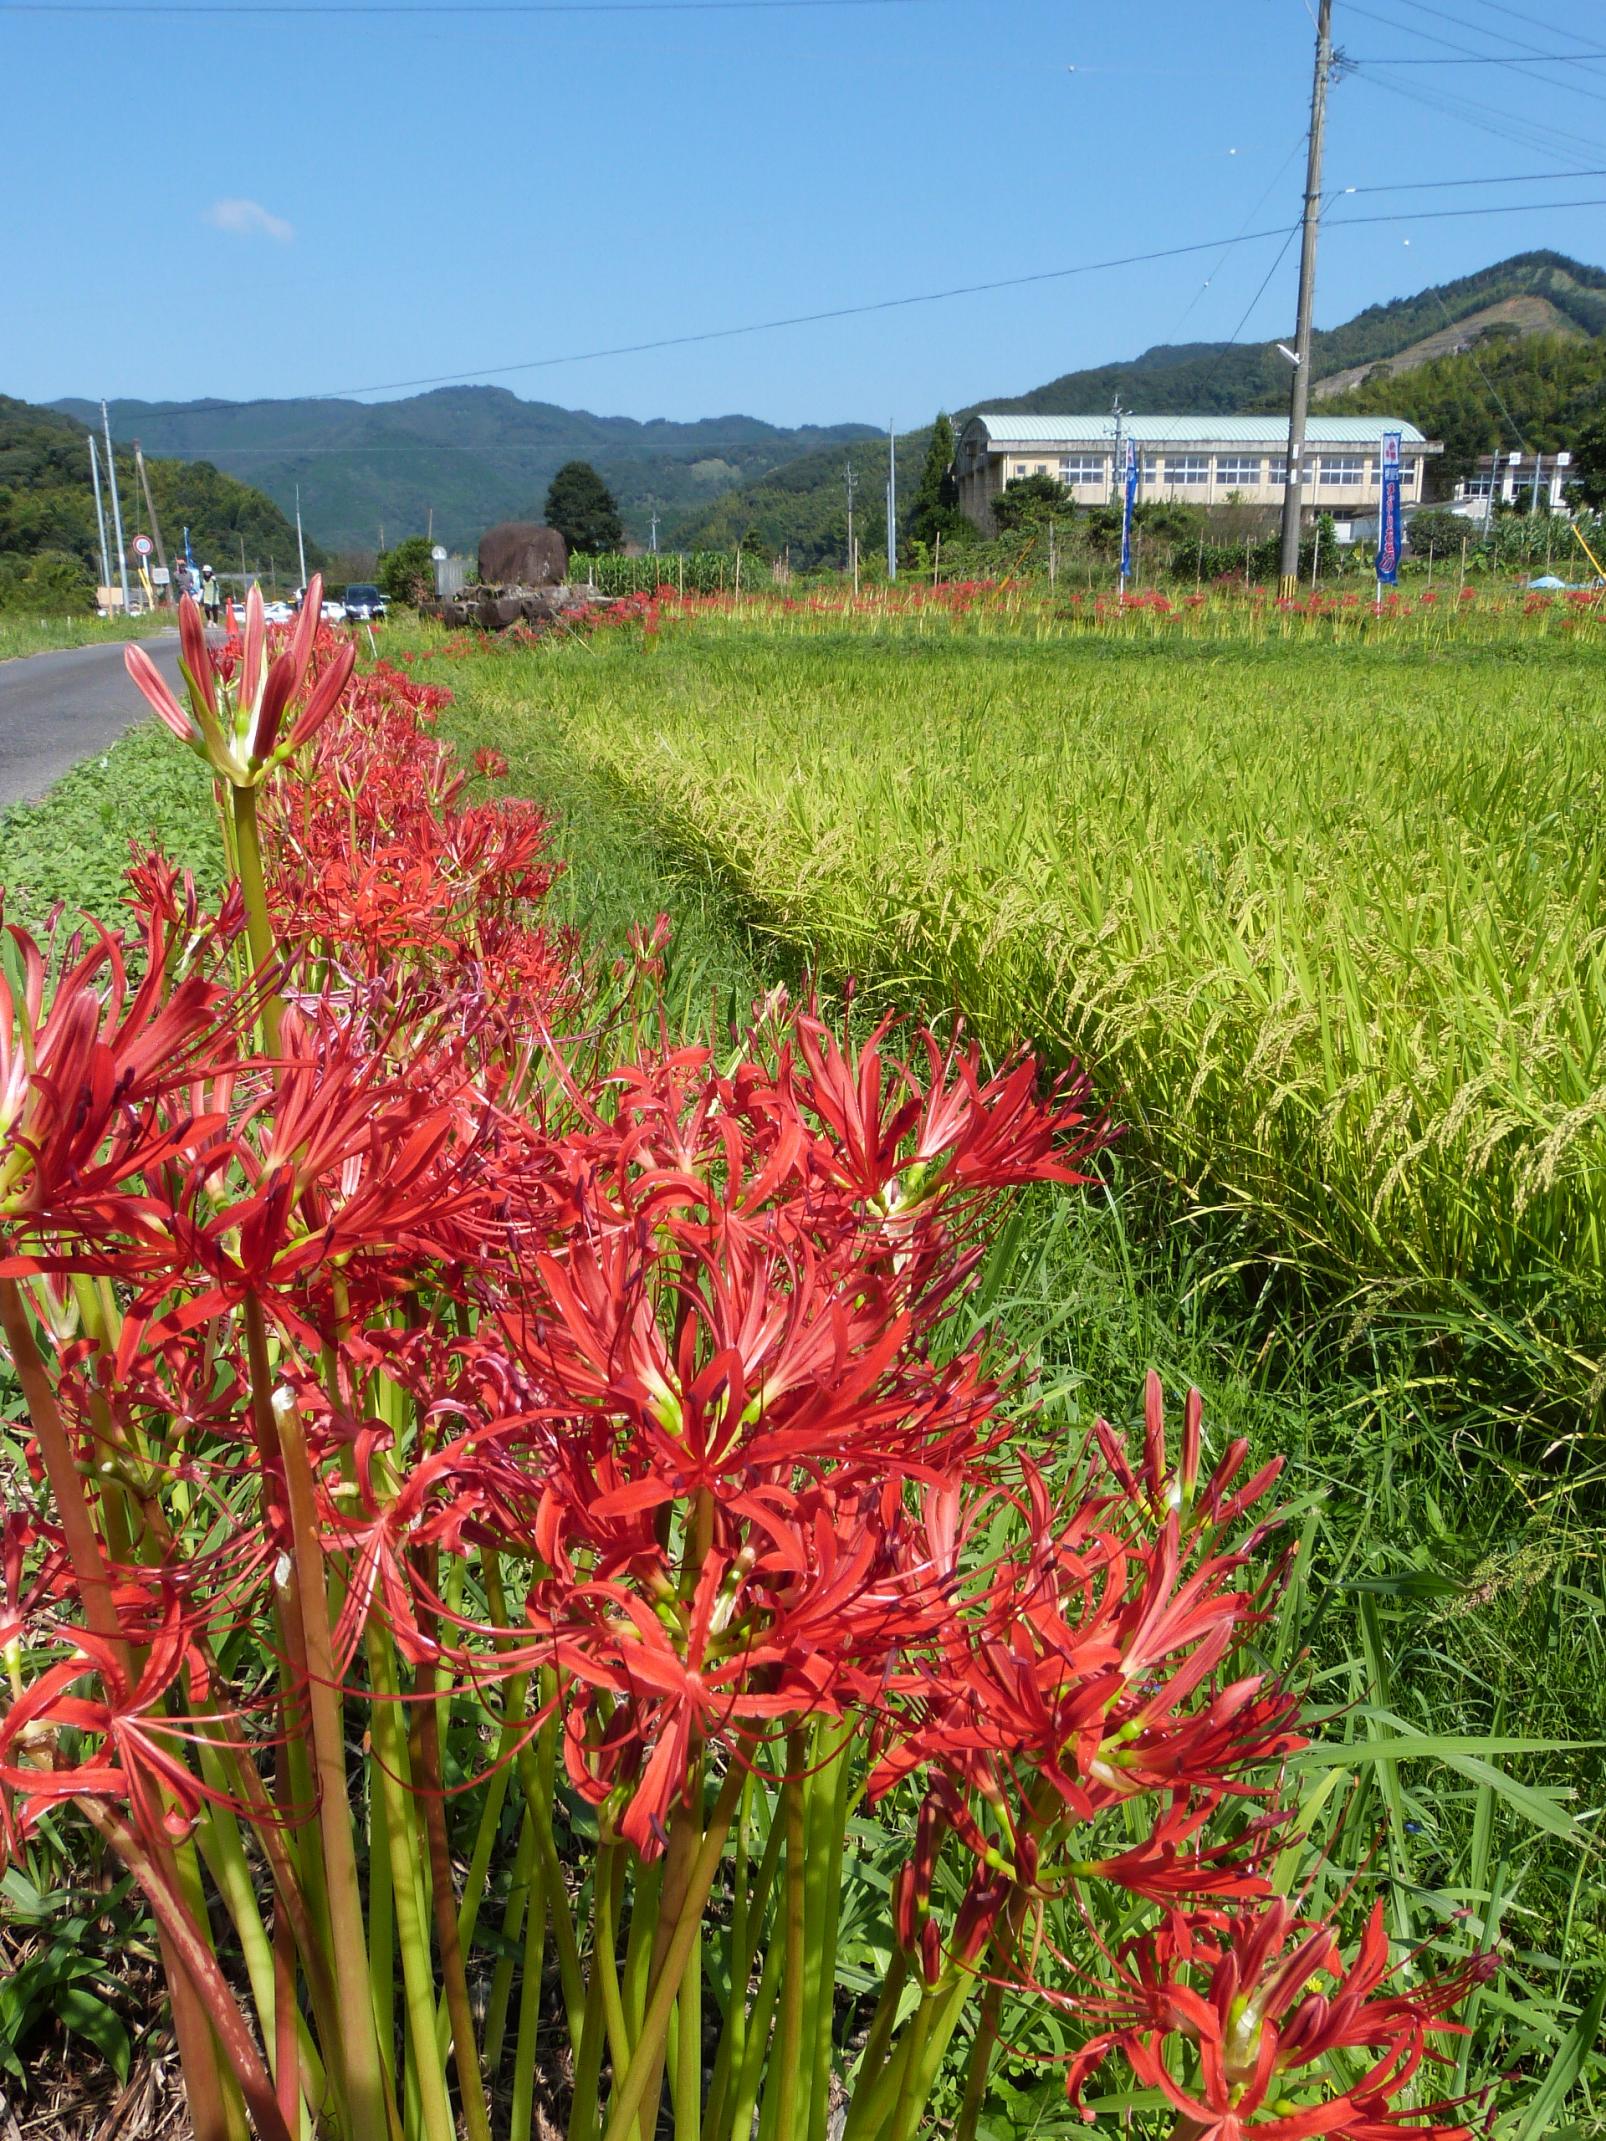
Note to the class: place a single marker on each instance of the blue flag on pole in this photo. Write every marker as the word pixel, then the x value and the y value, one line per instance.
pixel 1130 499
pixel 1390 531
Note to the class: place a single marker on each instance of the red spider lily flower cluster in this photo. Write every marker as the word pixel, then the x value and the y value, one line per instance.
pixel 415 1359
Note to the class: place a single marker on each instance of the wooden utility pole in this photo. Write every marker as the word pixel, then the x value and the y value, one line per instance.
pixel 150 507
pixel 1299 397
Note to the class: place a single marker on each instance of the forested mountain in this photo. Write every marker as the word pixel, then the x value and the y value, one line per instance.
pixel 458 459
pixel 1532 391
pixel 1534 323
pixel 1220 377
pixel 48 554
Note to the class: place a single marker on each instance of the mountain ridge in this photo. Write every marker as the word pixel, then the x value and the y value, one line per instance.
pixel 456 459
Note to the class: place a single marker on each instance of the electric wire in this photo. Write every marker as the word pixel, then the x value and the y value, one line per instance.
pixel 932 297
pixel 1520 59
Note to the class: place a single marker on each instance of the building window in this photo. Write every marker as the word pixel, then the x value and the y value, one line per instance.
pixel 1477 487
pixel 1084 468
pixel 1151 468
pixel 1237 472
pixel 1342 471
pixel 1187 468
pixel 1277 471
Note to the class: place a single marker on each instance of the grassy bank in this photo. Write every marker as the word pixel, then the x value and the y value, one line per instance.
pixel 1326 920
pixel 21 635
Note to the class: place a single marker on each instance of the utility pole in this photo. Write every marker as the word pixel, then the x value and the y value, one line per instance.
pixel 301 544
pixel 117 510
pixel 892 504
pixel 1299 397
pixel 852 481
pixel 150 507
pixel 100 514
pixel 653 538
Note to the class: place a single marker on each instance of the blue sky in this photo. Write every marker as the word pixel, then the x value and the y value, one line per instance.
pixel 244 205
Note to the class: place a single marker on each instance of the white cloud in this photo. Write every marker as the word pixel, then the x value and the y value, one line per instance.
pixel 249 219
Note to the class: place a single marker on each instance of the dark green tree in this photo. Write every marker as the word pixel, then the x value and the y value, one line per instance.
pixel 1027 501
pixel 1589 459
pixel 935 511
pixel 407 573
pixel 582 509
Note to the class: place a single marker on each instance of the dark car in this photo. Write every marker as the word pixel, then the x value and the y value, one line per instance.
pixel 363 604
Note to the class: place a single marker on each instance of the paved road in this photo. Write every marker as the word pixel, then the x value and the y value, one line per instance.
pixel 58 708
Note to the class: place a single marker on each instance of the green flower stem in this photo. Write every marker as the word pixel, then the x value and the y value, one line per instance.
pixel 794 1983
pixel 258 920
pixel 979 2065
pixel 911 2097
pixel 585 2114
pixel 829 1791
pixel 412 1927
pixel 632 2089
pixel 536 1778
pixel 750 2074
pixel 522 1895
pixel 688 2043
pixel 644 1913
pixel 366 2094
pixel 465 2052
pixel 607 1886
pixel 381 1915
pixel 521 2116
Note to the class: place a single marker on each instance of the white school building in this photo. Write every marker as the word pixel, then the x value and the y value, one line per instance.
pixel 1204 460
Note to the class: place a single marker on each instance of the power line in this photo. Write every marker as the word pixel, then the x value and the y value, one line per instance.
pixel 1473 59
pixel 1519 60
pixel 933 297
pixel 1490 119
pixel 1508 178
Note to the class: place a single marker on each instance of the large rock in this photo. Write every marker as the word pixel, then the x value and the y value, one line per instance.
pixel 520 553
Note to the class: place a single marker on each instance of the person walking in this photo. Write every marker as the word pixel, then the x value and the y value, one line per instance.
pixel 211 595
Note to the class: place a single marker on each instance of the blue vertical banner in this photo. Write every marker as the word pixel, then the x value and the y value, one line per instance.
pixel 1129 500
pixel 1390 531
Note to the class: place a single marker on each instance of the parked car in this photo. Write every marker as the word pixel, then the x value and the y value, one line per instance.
pixel 364 603
pixel 333 612
pixel 278 613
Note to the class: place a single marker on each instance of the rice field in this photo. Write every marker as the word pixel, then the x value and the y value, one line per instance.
pixel 1319 903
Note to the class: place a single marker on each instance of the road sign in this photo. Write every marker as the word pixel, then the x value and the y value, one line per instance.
pixel 161 576
pixel 143 546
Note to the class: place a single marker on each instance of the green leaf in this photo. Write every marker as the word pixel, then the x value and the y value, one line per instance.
pixel 1564 2069
pixel 90 2017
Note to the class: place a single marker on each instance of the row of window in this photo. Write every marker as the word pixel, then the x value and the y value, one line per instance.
pixel 1233 471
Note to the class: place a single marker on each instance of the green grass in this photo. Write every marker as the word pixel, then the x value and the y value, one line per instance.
pixel 1440 1593
pixel 73 846
pixel 1327 921
pixel 21 635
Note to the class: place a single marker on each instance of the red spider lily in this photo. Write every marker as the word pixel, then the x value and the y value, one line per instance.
pixel 1229 2019
pixel 237 728
pixel 896 1138
pixel 132 1758
pixel 88 1092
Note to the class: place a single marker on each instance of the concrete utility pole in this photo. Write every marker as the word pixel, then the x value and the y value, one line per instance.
pixel 117 510
pixel 150 506
pixel 654 534
pixel 1299 398
pixel 100 514
pixel 301 546
pixel 852 481
pixel 892 503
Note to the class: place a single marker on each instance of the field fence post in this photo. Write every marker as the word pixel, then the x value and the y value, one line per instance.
pixel 1461 590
